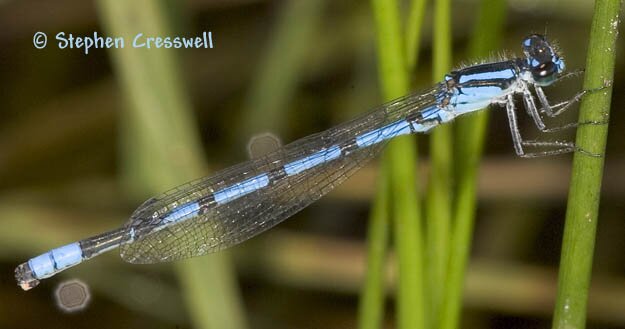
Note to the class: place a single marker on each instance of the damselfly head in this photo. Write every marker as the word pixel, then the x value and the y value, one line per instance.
pixel 543 60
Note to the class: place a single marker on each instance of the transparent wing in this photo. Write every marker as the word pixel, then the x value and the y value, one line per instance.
pixel 220 226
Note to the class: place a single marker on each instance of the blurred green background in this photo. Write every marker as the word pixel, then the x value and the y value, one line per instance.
pixel 84 139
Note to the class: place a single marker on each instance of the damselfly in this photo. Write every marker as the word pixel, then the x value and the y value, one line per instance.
pixel 240 202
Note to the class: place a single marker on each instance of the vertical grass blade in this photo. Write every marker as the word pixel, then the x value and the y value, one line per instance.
pixel 584 191
pixel 398 168
pixel 161 148
pixel 274 85
pixel 413 33
pixel 400 163
pixel 411 309
pixel 438 209
pixel 390 49
pixel 470 133
pixel 371 304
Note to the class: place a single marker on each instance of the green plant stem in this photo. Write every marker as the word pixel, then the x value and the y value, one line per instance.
pixel 438 210
pixel 413 33
pixel 470 134
pixel 398 167
pixel 280 68
pixel 161 148
pixel 390 49
pixel 400 163
pixel 411 309
pixel 371 306
pixel 584 192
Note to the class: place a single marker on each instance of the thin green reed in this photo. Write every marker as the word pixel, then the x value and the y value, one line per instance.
pixel 161 148
pixel 396 195
pixel 470 133
pixel 275 83
pixel 439 192
pixel 413 29
pixel 584 192
pixel 372 297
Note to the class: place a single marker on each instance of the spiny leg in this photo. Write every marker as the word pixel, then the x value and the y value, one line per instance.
pixel 568 75
pixel 532 110
pixel 561 147
pixel 572 125
pixel 518 142
pixel 542 98
pixel 561 107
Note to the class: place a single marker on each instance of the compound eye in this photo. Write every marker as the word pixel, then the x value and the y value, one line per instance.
pixel 545 73
pixel 532 39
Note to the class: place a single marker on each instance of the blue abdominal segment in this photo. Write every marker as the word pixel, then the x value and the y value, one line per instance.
pixel 401 127
pixel 56 260
pixel 313 160
pixel 183 212
pixel 242 188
